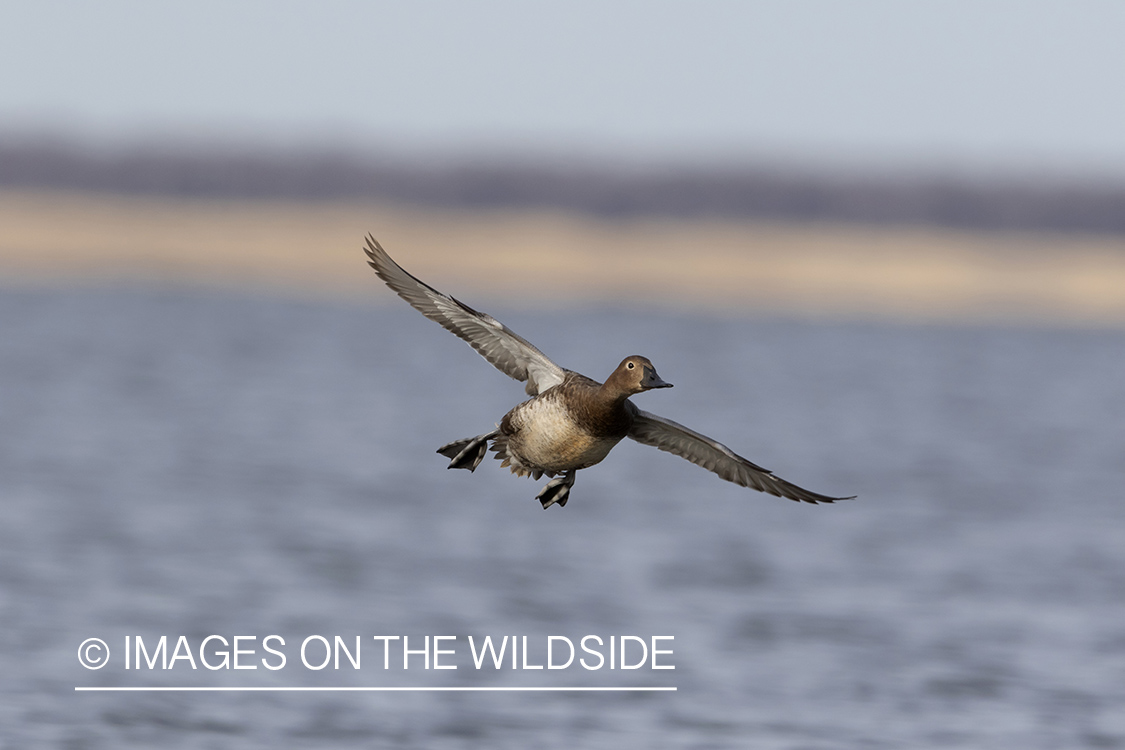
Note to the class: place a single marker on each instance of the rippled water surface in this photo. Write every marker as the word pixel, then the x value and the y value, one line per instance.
pixel 188 463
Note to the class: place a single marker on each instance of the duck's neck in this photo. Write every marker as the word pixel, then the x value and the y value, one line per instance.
pixel 606 412
pixel 612 397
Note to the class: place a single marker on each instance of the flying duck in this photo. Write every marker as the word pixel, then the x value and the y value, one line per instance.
pixel 571 422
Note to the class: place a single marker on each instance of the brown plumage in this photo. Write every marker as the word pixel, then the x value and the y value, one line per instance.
pixel 571 422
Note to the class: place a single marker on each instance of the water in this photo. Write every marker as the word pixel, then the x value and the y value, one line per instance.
pixel 176 462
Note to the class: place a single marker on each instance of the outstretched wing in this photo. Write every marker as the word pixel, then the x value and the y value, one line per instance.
pixel 714 456
pixel 506 350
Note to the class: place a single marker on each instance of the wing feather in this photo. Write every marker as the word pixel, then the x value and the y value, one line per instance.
pixel 504 348
pixel 712 455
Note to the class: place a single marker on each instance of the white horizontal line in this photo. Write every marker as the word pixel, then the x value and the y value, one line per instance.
pixel 440 689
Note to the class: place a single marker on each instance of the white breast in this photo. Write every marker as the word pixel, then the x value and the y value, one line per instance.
pixel 547 438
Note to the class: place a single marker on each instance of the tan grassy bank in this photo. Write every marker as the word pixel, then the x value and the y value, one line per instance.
pixel 821 270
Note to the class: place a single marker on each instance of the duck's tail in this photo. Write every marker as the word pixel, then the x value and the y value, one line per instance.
pixel 512 462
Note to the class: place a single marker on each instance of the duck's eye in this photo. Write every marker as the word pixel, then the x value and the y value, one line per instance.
pixel 630 365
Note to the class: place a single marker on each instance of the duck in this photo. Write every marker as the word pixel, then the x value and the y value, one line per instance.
pixel 570 422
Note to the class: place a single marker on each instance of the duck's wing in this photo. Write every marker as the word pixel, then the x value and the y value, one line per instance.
pixel 504 348
pixel 714 456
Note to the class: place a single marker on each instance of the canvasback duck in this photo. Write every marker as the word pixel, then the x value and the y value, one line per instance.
pixel 571 422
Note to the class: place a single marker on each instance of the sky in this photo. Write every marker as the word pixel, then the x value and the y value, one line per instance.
pixel 979 85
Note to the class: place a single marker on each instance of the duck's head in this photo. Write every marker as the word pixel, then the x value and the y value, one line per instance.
pixel 634 375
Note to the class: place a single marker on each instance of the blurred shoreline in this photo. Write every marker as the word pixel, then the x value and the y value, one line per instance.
pixel 525 256
pixel 581 185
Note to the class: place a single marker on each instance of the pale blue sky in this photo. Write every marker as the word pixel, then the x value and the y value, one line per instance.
pixel 961 85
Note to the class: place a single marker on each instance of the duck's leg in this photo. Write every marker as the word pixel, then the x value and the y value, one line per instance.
pixel 467 453
pixel 557 490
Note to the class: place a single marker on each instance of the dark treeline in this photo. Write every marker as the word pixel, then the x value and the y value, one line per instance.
pixel 601 191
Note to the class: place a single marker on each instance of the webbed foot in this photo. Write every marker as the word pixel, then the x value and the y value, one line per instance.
pixel 467 453
pixel 557 491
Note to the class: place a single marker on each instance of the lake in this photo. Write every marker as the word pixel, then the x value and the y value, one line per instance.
pixel 186 463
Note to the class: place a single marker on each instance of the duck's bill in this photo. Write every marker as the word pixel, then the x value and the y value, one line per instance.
pixel 652 380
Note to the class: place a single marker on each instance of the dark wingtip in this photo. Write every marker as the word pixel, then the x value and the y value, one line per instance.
pixel 829 500
pixel 813 498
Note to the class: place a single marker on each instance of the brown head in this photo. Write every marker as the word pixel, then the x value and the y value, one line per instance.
pixel 634 375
